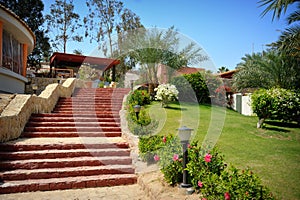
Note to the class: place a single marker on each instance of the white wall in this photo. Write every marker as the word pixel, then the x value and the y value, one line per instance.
pixel 245 104
pixel 11 82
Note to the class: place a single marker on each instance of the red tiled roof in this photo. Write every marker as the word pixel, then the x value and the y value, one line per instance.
pixel 188 70
pixel 77 60
pixel 228 74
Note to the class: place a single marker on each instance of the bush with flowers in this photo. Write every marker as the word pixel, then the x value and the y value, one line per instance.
pixel 166 93
pixel 208 173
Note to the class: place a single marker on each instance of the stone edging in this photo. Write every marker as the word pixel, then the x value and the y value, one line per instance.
pixel 16 114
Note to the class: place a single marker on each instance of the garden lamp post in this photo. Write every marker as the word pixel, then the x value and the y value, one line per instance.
pixel 184 134
pixel 131 85
pixel 34 88
pixel 137 109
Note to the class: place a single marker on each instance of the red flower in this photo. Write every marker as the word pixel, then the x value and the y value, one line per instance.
pixel 156 158
pixel 227 196
pixel 207 157
pixel 200 184
pixel 164 139
pixel 204 199
pixel 189 146
pixel 175 157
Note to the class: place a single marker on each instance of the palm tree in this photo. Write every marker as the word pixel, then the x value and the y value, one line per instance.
pixel 266 70
pixel 289 41
pixel 223 69
pixel 277 6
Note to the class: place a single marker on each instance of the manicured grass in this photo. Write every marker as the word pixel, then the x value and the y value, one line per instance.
pixel 272 152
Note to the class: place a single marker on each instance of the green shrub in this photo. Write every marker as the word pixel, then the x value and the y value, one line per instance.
pixel 276 103
pixel 139 97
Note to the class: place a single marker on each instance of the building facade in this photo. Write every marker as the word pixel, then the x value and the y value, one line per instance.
pixel 16 42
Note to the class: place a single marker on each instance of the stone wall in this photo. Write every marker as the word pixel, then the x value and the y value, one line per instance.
pixel 16 114
pixel 41 84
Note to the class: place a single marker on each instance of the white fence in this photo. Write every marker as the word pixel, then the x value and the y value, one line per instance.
pixel 242 104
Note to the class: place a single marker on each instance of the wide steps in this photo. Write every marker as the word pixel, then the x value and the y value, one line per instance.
pixel 63 146
pixel 67 183
pixel 58 153
pixel 70 134
pixel 76 123
pixel 74 119
pixel 72 129
pixel 77 145
pixel 65 162
pixel 22 174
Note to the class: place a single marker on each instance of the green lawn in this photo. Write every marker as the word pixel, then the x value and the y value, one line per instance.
pixel 272 152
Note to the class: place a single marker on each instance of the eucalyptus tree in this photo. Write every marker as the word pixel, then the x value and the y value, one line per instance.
pixel 30 11
pixel 63 22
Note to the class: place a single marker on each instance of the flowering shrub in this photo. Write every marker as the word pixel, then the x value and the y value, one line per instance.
pixel 276 103
pixel 166 93
pixel 208 173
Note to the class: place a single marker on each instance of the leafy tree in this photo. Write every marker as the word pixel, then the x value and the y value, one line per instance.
pixel 63 23
pixel 106 18
pixel 103 16
pixel 223 69
pixel 30 11
pixel 77 52
pixel 266 70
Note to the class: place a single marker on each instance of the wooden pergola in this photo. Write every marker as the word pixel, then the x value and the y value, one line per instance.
pixel 58 60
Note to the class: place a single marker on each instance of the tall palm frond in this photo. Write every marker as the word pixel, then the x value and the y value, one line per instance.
pixel 289 41
pixel 277 6
pixel 295 16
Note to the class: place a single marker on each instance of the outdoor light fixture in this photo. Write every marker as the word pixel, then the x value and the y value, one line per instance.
pixel 137 109
pixel 184 134
pixel 131 85
pixel 34 88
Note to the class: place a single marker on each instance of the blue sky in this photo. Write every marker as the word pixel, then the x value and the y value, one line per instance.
pixel 225 29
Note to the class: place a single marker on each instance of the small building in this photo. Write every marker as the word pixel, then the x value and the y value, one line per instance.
pixel 16 43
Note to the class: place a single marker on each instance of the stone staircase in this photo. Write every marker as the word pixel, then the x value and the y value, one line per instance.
pixel 78 145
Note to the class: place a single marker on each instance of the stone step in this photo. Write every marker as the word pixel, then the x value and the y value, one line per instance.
pixel 73 119
pixel 63 146
pixel 86 109
pixel 23 174
pixel 72 124
pixel 95 112
pixel 65 162
pixel 63 153
pixel 71 115
pixel 67 183
pixel 72 129
pixel 70 134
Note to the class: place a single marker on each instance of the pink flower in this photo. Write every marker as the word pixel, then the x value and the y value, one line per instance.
pixel 204 199
pixel 164 139
pixel 175 157
pixel 156 158
pixel 207 157
pixel 189 146
pixel 200 184
pixel 227 196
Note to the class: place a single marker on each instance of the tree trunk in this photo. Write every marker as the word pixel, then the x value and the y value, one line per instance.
pixel 260 122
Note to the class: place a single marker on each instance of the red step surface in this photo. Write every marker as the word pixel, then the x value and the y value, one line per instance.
pixel 54 152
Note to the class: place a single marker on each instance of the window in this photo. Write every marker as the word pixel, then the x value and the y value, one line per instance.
pixel 12 53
